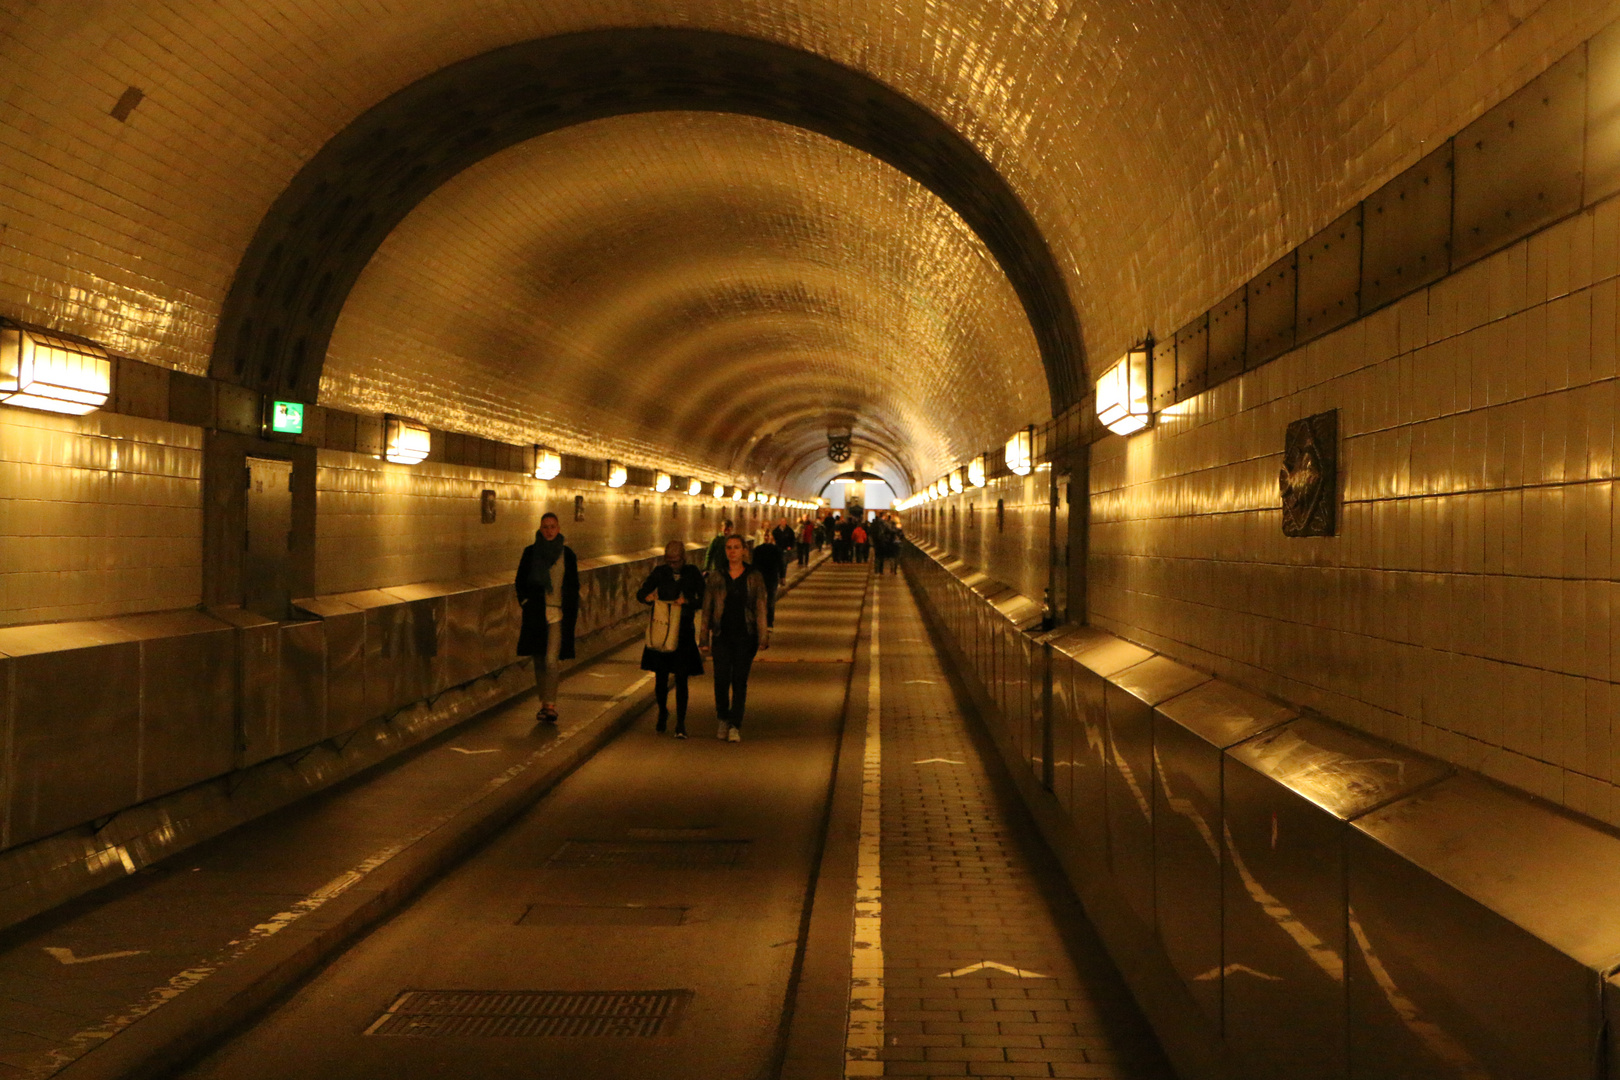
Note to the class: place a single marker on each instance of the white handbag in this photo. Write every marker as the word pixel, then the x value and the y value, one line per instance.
pixel 664 628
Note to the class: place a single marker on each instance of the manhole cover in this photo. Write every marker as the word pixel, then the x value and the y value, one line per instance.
pixel 532 1013
pixel 614 915
pixel 651 854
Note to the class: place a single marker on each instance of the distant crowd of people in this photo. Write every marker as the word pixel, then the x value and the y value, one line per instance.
pixel 735 590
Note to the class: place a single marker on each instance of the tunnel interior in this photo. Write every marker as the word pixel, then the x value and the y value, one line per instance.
pixel 1241 379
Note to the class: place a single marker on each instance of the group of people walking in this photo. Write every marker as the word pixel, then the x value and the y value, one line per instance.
pixel 736 597
pixel 734 590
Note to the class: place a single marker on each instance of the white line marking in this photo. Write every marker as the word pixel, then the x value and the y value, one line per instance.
pixel 936 760
pixel 65 956
pixel 863 1040
pixel 984 965
pixel 921 682
pixel 460 750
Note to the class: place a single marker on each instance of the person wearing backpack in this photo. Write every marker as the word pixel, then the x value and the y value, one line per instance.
pixel 674 590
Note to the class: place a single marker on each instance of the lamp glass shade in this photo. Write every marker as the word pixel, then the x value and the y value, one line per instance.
pixel 617 474
pixel 1021 452
pixel 406 442
pixel 662 482
pixel 52 374
pixel 956 480
pixel 695 488
pixel 1124 402
pixel 975 472
pixel 547 464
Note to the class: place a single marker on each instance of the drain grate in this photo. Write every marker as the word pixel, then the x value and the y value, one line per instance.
pixel 649 854
pixel 533 1013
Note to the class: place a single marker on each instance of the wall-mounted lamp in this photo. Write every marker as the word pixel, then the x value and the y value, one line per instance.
pixel 662 482
pixel 957 483
pixel 547 463
pixel 1124 393
pixel 695 488
pixel 719 491
pixel 1021 452
pixel 406 442
pixel 53 374
pixel 617 474
pixel 975 472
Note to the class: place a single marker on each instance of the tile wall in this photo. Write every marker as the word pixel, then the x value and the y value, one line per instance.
pixel 1466 606
pixel 1014 553
pixel 99 515
pixel 379 524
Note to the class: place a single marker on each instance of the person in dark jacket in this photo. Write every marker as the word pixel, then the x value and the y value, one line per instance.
pixel 715 557
pixel 734 630
pixel 783 535
pixel 679 582
pixel 548 592
pixel 768 561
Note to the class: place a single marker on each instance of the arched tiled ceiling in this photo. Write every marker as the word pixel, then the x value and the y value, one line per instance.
pixel 1165 151
pixel 700 291
pixel 296 275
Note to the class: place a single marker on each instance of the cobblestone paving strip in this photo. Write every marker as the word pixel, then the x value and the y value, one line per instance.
pixel 980 978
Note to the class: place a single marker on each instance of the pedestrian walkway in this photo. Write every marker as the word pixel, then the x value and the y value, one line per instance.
pixel 990 966
pixel 114 962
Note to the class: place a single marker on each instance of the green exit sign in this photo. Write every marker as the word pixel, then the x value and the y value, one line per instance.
pixel 287 417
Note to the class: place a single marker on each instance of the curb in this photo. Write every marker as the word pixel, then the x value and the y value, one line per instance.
pixel 167 1038
pixel 185 1027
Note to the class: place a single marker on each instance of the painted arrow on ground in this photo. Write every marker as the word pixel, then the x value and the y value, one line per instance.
pixel 983 965
pixel 66 956
pixel 1234 969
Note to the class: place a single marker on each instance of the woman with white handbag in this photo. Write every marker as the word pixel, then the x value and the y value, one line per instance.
pixel 675 591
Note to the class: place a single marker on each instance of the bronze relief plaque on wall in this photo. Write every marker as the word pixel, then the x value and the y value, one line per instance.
pixel 1310 476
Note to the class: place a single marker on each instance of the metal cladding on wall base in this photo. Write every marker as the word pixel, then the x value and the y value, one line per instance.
pixel 1288 898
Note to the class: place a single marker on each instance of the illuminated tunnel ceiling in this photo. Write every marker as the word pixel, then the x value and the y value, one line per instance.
pixel 1164 152
pixel 703 289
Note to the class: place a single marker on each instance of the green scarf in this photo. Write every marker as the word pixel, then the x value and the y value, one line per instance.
pixel 546 553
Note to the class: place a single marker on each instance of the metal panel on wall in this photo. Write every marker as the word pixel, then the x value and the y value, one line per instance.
pixel 1189 733
pixel 1603 115
pixel 1520 166
pixel 1163 370
pixel 1192 358
pixel 258 684
pixel 1093 665
pixel 75 732
pixel 304 696
pixel 1288 793
pixel 1329 278
pixel 1406 235
pixel 1228 337
pixel 345 665
pixel 1271 299
pixel 1455 881
pixel 188 693
pixel 1131 696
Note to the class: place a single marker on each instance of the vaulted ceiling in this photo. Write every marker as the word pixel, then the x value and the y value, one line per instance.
pixel 714 290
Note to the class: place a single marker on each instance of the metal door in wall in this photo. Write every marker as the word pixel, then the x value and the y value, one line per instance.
pixel 266 577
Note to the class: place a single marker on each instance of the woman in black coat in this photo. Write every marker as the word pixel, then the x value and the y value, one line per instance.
pixel 548 592
pixel 674 581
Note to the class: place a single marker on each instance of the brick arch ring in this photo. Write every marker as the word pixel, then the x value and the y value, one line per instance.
pixel 312 245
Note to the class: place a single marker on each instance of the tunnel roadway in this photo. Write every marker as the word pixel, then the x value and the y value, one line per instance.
pixel 659 865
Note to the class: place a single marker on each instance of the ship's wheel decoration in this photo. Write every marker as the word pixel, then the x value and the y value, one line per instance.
pixel 839 448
